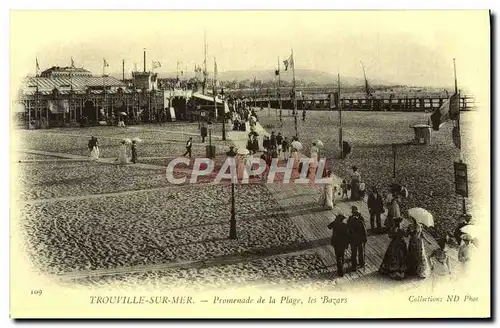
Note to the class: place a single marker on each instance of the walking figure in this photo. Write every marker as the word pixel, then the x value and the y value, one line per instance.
pixel 134 152
pixel 189 144
pixel 340 241
pixel 357 231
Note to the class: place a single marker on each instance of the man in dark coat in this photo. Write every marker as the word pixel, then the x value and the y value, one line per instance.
pixel 272 139
pixel 357 232
pixel 375 207
pixel 340 241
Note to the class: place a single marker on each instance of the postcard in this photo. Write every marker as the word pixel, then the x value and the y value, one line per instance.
pixel 250 164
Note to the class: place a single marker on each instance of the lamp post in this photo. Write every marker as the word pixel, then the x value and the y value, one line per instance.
pixel 394 161
pixel 232 220
pixel 223 116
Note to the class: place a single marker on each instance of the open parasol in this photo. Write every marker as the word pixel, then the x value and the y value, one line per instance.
pixel 470 230
pixel 319 143
pixel 123 113
pixel 297 145
pixel 421 215
pixel 243 151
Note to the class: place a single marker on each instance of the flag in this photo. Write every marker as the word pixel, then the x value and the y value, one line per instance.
pixel 72 63
pixel 454 106
pixel 288 62
pixel 105 63
pixel 215 67
pixel 277 72
pixel 444 113
pixel 37 67
pixel 455 134
pixel 156 64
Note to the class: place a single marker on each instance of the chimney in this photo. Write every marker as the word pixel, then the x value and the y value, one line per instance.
pixel 144 60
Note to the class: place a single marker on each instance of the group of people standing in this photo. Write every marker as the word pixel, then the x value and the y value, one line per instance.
pixel 123 158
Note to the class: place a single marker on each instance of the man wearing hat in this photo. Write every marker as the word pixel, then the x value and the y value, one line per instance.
pixel 340 241
pixel 231 152
pixel 466 220
pixel 358 238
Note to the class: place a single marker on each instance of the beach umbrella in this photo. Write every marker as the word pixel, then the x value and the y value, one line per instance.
pixel 470 230
pixel 136 139
pixel 123 113
pixel 297 145
pixel 421 215
pixel 127 140
pixel 243 151
pixel 319 143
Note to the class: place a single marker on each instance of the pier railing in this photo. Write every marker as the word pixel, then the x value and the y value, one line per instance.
pixel 418 104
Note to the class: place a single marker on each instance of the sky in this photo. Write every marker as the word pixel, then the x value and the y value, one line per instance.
pixel 410 47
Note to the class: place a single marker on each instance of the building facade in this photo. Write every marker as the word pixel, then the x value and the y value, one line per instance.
pixel 63 96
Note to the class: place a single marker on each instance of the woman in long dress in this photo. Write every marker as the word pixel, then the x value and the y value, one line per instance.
pixel 122 154
pixel 326 199
pixel 355 181
pixel 395 258
pixel 465 251
pixel 417 263
pixel 294 154
pixel 440 265
pixel 240 166
pixel 94 153
pixel 393 211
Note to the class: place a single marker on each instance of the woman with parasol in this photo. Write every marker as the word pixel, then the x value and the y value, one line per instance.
pixel 395 257
pixel 466 250
pixel 417 262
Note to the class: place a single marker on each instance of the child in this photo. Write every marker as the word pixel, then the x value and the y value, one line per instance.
pixel 344 189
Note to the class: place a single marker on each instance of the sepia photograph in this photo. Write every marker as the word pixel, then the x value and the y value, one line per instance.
pixel 250 164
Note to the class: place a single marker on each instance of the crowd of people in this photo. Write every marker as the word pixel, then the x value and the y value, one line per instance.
pixel 402 259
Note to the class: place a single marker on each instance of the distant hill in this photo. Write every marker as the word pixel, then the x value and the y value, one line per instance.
pixel 307 75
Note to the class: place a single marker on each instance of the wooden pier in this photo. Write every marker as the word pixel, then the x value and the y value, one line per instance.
pixel 405 104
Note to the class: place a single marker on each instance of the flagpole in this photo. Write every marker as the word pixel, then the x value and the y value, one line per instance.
pixel 254 91
pixel 204 62
pixel 294 100
pixel 215 87
pixel 458 117
pixel 279 90
pixel 36 96
pixel 105 107
pixel 341 141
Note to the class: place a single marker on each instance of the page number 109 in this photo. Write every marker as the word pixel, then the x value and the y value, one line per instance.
pixel 37 292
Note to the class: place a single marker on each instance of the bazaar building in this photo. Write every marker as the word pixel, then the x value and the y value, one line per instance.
pixel 62 96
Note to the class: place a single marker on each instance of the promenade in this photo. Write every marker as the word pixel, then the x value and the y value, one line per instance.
pixel 300 202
